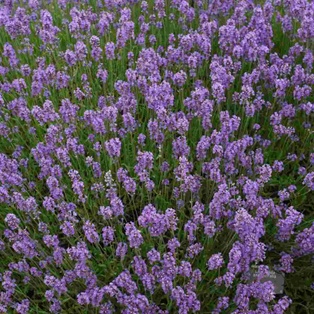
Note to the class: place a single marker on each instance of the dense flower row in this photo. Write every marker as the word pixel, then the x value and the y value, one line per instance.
pixel 151 152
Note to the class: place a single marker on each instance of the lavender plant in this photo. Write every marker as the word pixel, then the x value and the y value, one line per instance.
pixel 153 152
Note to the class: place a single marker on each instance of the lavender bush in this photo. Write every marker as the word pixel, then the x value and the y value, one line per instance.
pixel 153 152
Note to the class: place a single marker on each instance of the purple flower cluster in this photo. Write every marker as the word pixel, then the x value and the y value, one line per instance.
pixel 152 152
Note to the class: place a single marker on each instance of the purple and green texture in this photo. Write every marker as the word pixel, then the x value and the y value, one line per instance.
pixel 153 153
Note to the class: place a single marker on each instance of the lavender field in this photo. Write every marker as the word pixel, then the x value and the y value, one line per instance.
pixel 156 156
